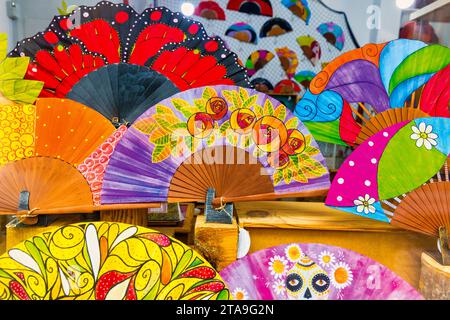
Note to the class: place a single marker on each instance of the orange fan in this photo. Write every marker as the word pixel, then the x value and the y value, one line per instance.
pixel 41 147
pixel 51 183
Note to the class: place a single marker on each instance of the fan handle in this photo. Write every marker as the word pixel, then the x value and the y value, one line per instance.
pixel 443 242
pixel 223 214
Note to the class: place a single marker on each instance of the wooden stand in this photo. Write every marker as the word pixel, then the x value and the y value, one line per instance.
pixel 138 217
pixel 217 242
pixel 434 279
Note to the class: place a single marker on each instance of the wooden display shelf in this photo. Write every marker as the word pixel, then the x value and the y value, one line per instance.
pixel 434 278
pixel 275 223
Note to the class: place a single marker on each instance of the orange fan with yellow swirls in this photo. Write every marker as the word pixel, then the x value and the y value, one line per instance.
pixel 41 147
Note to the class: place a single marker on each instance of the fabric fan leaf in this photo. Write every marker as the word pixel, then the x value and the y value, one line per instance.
pixel 160 154
pixel 268 108
pixel 250 102
pixel 233 138
pixel 159 137
pixel 243 94
pixel 211 140
pixel 200 105
pixel 166 122
pixel 280 113
pixel 224 127
pixel 209 93
pixel 277 177
pixel 185 107
pixel 146 126
pixel 259 111
pixel 299 176
pixel 246 142
pixel 287 176
pixel 311 151
pixel 163 110
pixel 258 153
pixel 292 123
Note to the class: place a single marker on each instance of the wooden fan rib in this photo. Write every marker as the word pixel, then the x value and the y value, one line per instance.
pixel 420 210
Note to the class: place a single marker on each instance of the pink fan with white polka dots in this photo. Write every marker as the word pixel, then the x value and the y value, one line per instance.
pixel 399 175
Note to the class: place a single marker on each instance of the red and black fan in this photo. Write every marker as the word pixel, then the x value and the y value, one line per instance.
pixel 104 45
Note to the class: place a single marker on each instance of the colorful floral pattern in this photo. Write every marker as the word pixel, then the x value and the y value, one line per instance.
pixel 106 261
pixel 323 272
pixel 288 150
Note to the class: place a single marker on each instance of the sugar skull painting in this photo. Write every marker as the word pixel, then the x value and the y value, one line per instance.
pixel 313 272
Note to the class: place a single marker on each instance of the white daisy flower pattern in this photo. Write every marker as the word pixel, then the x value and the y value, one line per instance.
pixel 424 136
pixel 279 287
pixel 326 258
pixel 240 294
pixel 341 275
pixel 278 266
pixel 293 253
pixel 365 204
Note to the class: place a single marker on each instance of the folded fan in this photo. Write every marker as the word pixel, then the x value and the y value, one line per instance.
pixel 399 175
pixel 275 27
pixel 255 7
pixel 368 89
pixel 237 141
pixel 68 58
pixel 300 8
pixel 288 59
pixel 122 92
pixel 210 10
pixel 313 272
pixel 311 49
pixel 242 31
pixel 107 261
pixel 257 60
pixel 333 33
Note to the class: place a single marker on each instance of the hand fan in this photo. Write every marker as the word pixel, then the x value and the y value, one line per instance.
pixel 304 78
pixel 288 59
pixel 120 34
pixel 275 27
pixel 257 60
pixel 41 146
pixel 199 62
pixel 107 261
pixel 241 143
pixel 313 272
pixel 13 88
pixel 287 87
pixel 210 10
pixel 255 7
pixel 399 175
pixel 311 49
pixel 333 33
pixel 300 8
pixel 262 85
pixel 371 88
pixel 243 32
pixel 122 92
